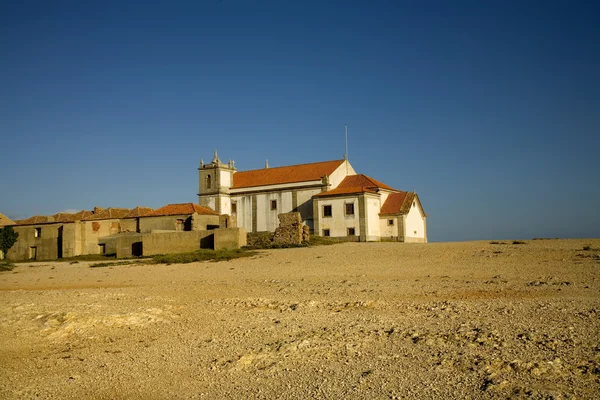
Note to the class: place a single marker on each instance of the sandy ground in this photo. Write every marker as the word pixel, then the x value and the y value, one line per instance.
pixel 355 321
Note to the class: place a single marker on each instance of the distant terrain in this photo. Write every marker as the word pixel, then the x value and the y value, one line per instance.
pixel 487 319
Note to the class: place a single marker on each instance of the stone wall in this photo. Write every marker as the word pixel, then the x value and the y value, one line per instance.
pixel 291 230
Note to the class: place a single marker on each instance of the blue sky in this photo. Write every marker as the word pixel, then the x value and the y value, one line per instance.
pixel 490 110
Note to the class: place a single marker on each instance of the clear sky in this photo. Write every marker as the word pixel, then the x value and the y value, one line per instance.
pixel 490 110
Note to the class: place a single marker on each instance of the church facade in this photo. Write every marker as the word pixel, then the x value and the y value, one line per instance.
pixel 332 199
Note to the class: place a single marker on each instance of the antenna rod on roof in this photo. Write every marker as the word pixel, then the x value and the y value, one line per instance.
pixel 346 155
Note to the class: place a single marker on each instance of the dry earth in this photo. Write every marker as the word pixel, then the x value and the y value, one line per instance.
pixel 356 321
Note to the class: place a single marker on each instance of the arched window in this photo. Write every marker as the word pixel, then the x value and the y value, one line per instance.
pixel 208 181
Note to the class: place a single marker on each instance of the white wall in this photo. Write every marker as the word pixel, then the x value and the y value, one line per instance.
pixel 244 211
pixel 339 223
pixel 340 173
pixel 225 205
pixel 305 205
pixel 414 222
pixel 225 179
pixel 373 208
pixel 211 202
pixel 266 218
pixel 386 230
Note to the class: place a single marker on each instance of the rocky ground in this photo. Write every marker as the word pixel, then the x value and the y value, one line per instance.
pixel 355 320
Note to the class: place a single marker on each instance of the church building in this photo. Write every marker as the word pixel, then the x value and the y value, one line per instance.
pixel 332 199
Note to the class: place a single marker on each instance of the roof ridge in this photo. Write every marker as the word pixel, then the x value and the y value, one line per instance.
pixel 293 165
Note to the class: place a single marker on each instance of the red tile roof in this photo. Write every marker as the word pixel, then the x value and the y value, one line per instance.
pixel 394 204
pixel 181 209
pixel 400 203
pixel 346 190
pixel 139 212
pixel 353 184
pixel 287 174
pixel 363 180
pixel 36 219
pixel 109 213
pixel 68 217
pixel 85 215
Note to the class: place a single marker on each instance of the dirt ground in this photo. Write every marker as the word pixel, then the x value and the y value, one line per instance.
pixel 354 321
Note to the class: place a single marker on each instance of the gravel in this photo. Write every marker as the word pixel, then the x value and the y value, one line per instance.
pixel 354 320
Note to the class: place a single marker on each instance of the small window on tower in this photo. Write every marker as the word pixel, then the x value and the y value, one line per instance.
pixel 233 208
pixel 273 204
pixel 390 222
pixel 208 181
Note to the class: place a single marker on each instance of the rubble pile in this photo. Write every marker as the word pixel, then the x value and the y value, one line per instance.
pixel 291 229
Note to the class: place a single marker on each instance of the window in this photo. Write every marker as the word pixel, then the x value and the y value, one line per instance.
pixel 233 208
pixel 415 232
pixel 273 204
pixel 325 232
pixel 349 208
pixel 414 203
pixel 32 253
pixel 38 232
pixel 327 211
pixel 208 181
pixel 351 232
pixel 102 248
pixel 390 222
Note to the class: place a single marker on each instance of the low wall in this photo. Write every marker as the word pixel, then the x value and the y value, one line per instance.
pixel 229 238
pixel 129 246
pixel 174 242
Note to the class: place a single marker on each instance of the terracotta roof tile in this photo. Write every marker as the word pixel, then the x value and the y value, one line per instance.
pixel 287 174
pixel 181 209
pixel 68 217
pixel 363 180
pixel 109 213
pixel 139 212
pixel 398 203
pixel 36 219
pixel 356 184
pixel 345 190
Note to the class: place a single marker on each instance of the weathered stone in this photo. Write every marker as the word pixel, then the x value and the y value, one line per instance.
pixel 290 230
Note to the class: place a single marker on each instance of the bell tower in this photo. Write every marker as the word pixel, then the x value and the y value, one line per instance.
pixel 214 182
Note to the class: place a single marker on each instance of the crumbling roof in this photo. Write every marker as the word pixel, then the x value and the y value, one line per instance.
pixel 109 213
pixel 68 217
pixel 139 212
pixel 353 184
pixel 4 220
pixel 287 174
pixel 36 219
pixel 181 209
pixel 399 203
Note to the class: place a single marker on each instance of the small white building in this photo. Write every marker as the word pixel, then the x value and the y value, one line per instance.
pixel 331 197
